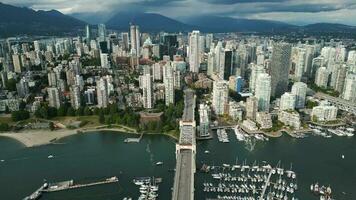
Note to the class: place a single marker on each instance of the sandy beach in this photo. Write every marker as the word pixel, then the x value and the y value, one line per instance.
pixel 32 138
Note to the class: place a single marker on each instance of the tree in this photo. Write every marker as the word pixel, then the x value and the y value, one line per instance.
pixel 51 126
pixel 101 117
pixel 11 84
pixel 80 111
pixel 20 115
pixel 70 112
pixel 87 111
pixel 62 110
pixel 4 127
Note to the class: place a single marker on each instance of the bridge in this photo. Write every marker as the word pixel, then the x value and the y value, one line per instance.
pixel 183 187
pixel 342 104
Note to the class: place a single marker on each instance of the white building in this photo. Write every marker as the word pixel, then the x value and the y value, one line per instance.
pixel 287 101
pixel 75 97
pixel 104 60
pixel 220 96
pixel 194 51
pixel 147 87
pixel 263 92
pixel 54 97
pixel 102 93
pixel 255 71
pixel 290 118
pixel 235 111
pixel 322 77
pixel 204 120
pixel 169 84
pixel 349 92
pixel 264 120
pixel 324 112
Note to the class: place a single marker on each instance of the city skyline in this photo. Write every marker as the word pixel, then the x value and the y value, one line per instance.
pixel 298 12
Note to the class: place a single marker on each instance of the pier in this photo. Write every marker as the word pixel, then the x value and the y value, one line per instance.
pixel 133 140
pixel 67 185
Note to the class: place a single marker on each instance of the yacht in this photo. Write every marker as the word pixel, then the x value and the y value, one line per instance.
pixel 159 163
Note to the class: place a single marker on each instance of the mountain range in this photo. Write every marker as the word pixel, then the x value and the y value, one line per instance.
pixel 18 20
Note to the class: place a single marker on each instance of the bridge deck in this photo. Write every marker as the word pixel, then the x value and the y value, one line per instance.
pixel 183 177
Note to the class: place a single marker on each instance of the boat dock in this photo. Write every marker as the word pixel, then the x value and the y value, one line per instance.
pixel 133 140
pixel 66 185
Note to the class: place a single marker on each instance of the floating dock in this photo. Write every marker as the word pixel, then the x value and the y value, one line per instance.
pixel 66 185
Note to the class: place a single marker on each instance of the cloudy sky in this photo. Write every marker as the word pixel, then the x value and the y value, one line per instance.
pixel 292 11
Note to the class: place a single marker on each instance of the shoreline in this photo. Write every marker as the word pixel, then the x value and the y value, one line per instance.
pixel 34 138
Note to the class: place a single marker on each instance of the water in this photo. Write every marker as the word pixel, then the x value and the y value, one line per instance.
pixel 94 156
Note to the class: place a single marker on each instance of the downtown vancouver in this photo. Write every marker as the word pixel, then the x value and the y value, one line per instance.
pixel 177 100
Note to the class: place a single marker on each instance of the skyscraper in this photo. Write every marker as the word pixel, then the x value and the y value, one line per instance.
pixel 287 101
pixel 147 88
pixel 135 39
pixel 104 60
pixel 102 93
pixel 251 107
pixel 75 97
pixel 350 88
pixel 263 91
pixel 54 98
pixel 220 96
pixel 299 89
pixel 87 34
pixel 255 71
pixel 102 32
pixel 280 68
pixel 322 77
pixel 169 84
pixel 194 51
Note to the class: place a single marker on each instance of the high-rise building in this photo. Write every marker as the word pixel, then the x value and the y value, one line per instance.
pixel 340 76
pixel 209 38
pixel 87 34
pixel 281 58
pixel 255 71
pixel 228 65
pixel 300 64
pixel 22 87
pixel 322 77
pixel 251 107
pixel 220 96
pixel 54 97
pixel 287 101
pixel 75 96
pixel 324 112
pixel 263 92
pixel 194 51
pixel 349 92
pixel 135 39
pixel 89 95
pixel 104 60
pixel 125 40
pixel 102 92
pixel 299 89
pixel 147 88
pixel 204 120
pixel 16 59
pixel 169 84
pixel 102 32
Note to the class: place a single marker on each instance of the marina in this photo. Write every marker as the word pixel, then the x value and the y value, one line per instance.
pixel 222 135
pixel 244 181
pixel 327 132
pixel 148 187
